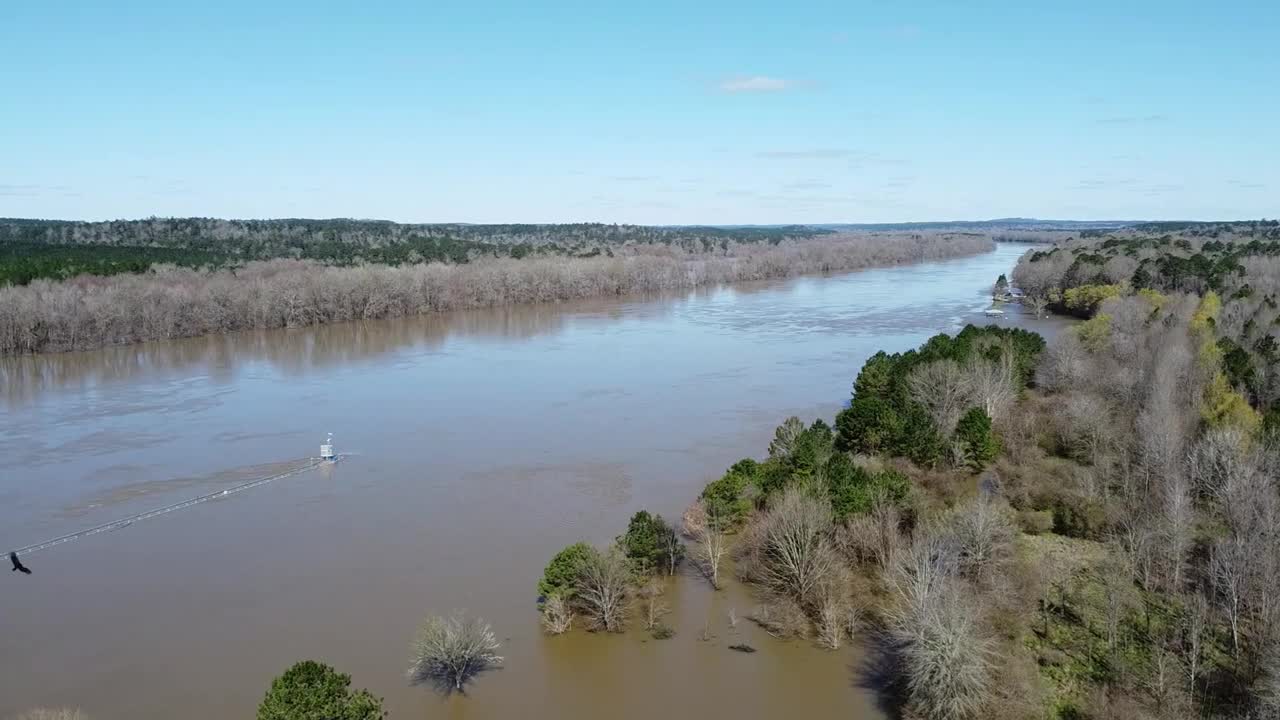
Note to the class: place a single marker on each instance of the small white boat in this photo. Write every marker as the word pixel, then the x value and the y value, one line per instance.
pixel 993 312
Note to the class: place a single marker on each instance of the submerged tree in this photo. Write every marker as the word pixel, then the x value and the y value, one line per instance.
pixel 557 617
pixel 788 549
pixel 603 590
pixel 712 547
pixel 651 544
pixel 450 652
pixel 52 714
pixel 562 572
pixel 314 691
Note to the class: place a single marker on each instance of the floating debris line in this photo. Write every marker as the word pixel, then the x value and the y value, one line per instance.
pixel 312 463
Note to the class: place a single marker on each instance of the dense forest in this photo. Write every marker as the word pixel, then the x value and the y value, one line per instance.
pixel 1238 263
pixel 57 249
pixel 32 249
pixel 171 301
pixel 1084 529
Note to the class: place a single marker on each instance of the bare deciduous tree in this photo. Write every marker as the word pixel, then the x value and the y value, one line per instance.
pixel 984 532
pixel 170 302
pixel 945 391
pixel 788 549
pixel 1038 303
pixel 993 384
pixel 781 618
pixel 693 523
pixel 1086 427
pixel 712 547
pixel 1195 626
pixel 557 617
pixel 830 624
pixel 1268 689
pixel 1224 467
pixel 946 657
pixel 1229 565
pixel 450 652
pixel 922 571
pixel 873 537
pixel 1117 598
pixel 1065 365
pixel 603 590
pixel 1178 527
pixel 652 605
pixel 836 618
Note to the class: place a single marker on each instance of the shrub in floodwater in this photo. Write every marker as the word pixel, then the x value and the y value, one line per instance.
pixel 450 652
pixel 651 544
pixel 52 714
pixel 314 691
pixel 562 572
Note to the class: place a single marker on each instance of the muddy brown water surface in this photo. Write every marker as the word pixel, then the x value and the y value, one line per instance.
pixel 481 442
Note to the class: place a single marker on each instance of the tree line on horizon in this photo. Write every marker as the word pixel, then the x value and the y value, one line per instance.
pixel 174 302
pixel 57 249
pixel 60 249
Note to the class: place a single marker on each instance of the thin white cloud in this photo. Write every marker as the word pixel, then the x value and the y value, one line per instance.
pixel 7 190
pixel 1133 120
pixel 806 154
pixel 1246 185
pixel 756 84
pixel 807 185
pixel 1104 183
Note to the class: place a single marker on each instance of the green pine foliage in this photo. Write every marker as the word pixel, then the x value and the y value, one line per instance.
pixel 563 570
pixel 977 439
pixel 853 490
pixel 651 544
pixel 727 499
pixel 883 419
pixel 1238 364
pixel 314 691
pixel 1271 423
pixel 812 461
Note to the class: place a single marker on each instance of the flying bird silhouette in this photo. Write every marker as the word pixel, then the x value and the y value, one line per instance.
pixel 17 564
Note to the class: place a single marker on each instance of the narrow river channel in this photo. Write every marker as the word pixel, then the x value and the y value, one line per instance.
pixel 481 442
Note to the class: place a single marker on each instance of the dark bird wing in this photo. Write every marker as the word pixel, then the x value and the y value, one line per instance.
pixel 17 564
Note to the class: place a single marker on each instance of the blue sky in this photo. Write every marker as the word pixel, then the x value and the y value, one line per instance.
pixel 644 112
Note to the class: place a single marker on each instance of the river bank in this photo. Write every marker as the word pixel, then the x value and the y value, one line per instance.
pixel 483 441
pixel 89 312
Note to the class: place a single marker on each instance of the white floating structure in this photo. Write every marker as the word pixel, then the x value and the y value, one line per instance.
pixel 326 450
pixel 994 312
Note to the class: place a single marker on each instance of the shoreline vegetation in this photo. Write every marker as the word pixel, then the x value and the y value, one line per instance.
pixel 1081 530
pixel 1084 530
pixel 168 301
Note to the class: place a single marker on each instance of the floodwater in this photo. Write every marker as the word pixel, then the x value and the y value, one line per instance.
pixel 481 442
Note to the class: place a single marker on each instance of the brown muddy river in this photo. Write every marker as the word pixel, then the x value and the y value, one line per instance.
pixel 481 441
